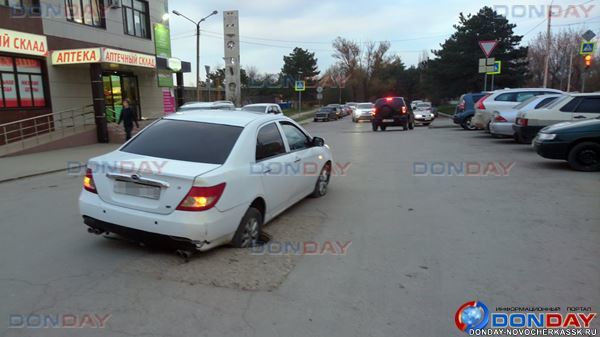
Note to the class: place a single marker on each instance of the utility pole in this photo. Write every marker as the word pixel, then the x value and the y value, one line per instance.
pixel 548 45
pixel 570 72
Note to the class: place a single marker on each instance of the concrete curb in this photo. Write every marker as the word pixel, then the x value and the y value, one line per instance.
pixel 39 174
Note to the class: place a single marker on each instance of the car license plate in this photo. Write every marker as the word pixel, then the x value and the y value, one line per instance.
pixel 137 190
pixel 388 120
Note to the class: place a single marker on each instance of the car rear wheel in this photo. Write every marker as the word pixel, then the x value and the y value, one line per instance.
pixel 426 124
pixel 374 125
pixel 585 157
pixel 468 124
pixel 249 230
pixel 411 125
pixel 323 182
pixel 405 126
pixel 383 127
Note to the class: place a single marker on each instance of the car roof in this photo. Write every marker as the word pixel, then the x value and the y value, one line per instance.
pixel 225 117
pixel 501 91
pixel 206 104
pixel 260 104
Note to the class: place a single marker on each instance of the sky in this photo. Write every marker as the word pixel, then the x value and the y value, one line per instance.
pixel 270 29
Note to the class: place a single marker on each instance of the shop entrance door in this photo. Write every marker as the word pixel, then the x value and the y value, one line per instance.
pixel 117 87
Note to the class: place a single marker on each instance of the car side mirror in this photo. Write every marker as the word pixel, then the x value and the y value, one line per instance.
pixel 318 142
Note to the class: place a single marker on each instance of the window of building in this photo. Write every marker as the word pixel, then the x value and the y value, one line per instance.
pixel 86 12
pixel 22 83
pixel 136 18
pixel 12 3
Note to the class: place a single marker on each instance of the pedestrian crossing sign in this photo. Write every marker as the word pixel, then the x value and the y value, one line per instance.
pixel 300 86
pixel 587 48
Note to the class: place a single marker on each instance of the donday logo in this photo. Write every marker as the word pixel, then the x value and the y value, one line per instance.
pixel 472 315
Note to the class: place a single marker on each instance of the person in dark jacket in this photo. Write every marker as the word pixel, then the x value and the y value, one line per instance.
pixel 128 117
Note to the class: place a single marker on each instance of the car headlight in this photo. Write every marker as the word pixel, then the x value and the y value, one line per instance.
pixel 546 136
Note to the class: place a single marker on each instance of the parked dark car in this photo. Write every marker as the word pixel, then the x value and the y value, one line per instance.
pixel 392 111
pixel 465 110
pixel 326 114
pixel 576 142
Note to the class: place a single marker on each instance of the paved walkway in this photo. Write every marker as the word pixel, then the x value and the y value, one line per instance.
pixel 17 167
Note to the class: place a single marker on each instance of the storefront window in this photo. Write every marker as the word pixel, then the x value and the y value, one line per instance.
pixel 86 12
pixel 12 3
pixel 22 83
pixel 136 18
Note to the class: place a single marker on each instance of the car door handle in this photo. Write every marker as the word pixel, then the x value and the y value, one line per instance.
pixel 267 171
pixel 579 117
pixel 297 160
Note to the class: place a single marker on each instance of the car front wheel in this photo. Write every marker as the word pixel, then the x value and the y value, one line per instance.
pixel 249 230
pixel 323 182
pixel 468 124
pixel 585 157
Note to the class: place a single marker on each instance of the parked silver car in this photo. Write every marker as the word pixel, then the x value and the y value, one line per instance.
pixel 502 121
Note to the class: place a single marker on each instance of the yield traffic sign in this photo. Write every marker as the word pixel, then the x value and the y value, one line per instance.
pixel 587 48
pixel 488 47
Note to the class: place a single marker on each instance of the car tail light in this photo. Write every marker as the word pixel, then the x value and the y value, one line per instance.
pixel 201 198
pixel 522 121
pixel 500 119
pixel 373 112
pixel 88 182
pixel 480 104
pixel 389 99
pixel 404 109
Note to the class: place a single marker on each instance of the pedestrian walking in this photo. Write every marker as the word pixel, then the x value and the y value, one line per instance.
pixel 128 117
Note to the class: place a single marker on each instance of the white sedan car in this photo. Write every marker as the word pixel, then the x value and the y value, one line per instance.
pixel 197 180
pixel 267 108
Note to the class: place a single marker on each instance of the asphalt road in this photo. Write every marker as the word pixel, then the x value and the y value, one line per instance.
pixel 422 245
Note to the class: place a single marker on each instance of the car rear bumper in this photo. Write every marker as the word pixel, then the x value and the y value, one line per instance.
pixel 526 133
pixel 504 129
pixel 551 150
pixel 392 121
pixel 424 120
pixel 365 117
pixel 201 229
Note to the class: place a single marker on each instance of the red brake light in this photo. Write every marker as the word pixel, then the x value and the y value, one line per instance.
pixel 522 121
pixel 201 198
pixel 403 109
pixel 389 99
pixel 480 104
pixel 373 112
pixel 499 118
pixel 88 182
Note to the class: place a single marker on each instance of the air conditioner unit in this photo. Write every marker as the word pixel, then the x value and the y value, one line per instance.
pixel 114 3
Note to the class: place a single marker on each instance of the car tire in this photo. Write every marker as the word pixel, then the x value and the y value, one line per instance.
pixel 585 157
pixel 520 139
pixel 315 120
pixel 426 124
pixel 375 126
pixel 467 124
pixel 249 230
pixel 405 126
pixel 383 127
pixel 411 125
pixel 322 182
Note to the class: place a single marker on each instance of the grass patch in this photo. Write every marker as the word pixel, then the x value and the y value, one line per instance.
pixel 446 108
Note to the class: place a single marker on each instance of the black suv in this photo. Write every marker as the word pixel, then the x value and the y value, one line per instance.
pixel 392 111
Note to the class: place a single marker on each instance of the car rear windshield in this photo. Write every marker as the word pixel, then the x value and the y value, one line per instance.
pixel 254 108
pixel 327 109
pixel 185 140
pixel 365 106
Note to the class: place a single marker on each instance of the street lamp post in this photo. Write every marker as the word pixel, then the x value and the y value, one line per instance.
pixel 197 47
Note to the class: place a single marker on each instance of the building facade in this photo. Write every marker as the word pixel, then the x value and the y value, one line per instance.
pixel 57 55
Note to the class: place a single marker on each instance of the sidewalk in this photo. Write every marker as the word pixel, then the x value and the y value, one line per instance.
pixel 28 165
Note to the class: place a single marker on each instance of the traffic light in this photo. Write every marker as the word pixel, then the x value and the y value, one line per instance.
pixel 588 61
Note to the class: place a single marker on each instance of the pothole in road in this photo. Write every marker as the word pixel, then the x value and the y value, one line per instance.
pixel 258 268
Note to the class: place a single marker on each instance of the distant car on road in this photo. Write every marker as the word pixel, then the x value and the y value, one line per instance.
pixel 222 177
pixel 502 122
pixel 363 112
pixel 269 108
pixel 569 108
pixel 576 142
pixel 464 111
pixel 339 110
pixel 326 114
pixel 424 113
pixel 217 105
pixel 392 111
pixel 413 104
pixel 503 100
